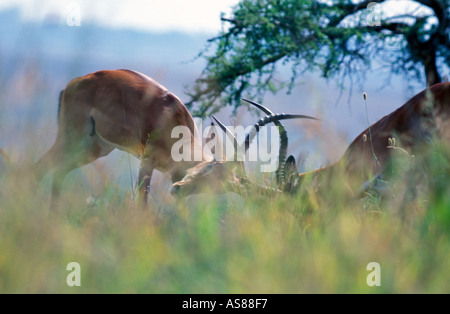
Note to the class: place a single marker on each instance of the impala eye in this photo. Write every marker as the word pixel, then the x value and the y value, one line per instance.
pixel 208 169
pixel 175 190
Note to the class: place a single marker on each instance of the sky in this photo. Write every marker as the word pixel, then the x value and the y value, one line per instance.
pixel 155 15
pixel 151 15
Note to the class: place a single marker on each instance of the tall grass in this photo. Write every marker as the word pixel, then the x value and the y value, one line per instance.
pixel 307 242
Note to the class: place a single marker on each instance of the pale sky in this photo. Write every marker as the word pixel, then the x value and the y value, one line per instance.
pixel 156 15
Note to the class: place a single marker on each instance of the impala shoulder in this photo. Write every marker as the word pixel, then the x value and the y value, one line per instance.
pixel 98 75
pixel 88 80
pixel 443 85
pixel 443 93
pixel 440 91
pixel 145 78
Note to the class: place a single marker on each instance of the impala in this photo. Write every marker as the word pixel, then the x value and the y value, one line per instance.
pixel 408 129
pixel 120 109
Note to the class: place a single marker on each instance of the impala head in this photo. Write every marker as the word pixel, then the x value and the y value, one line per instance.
pixel 215 174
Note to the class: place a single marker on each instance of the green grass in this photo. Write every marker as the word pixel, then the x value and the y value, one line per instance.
pixel 303 243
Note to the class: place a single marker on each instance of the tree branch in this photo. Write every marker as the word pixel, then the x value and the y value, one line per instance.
pixel 312 33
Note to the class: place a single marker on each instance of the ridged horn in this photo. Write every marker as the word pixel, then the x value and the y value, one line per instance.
pixel 283 138
pixel 282 130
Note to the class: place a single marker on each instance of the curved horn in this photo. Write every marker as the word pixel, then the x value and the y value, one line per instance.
pixel 259 106
pixel 282 131
pixel 283 137
pixel 275 118
pixel 267 112
pixel 228 133
pixel 281 116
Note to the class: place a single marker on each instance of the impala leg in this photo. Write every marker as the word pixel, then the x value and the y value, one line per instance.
pixel 58 178
pixel 47 162
pixel 63 158
pixel 145 177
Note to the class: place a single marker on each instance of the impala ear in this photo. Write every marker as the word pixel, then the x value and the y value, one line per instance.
pixel 290 161
pixel 289 167
pixel 290 174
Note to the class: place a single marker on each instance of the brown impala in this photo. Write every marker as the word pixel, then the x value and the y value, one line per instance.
pixel 422 118
pixel 116 109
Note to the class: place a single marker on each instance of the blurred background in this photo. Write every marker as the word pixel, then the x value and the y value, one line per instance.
pixel 45 43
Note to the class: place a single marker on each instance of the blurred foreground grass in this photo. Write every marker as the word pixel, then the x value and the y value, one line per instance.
pixel 305 243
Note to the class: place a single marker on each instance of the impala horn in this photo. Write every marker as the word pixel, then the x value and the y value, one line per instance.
pixel 271 117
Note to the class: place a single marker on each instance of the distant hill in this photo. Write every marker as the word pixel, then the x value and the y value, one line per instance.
pixel 79 50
